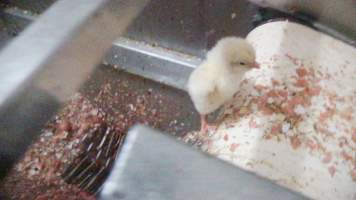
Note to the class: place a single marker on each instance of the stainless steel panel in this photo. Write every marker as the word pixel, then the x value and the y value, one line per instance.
pixel 42 67
pixel 12 22
pixel 192 26
pixel 334 17
pixel 175 172
pixel 156 63
pixel 36 6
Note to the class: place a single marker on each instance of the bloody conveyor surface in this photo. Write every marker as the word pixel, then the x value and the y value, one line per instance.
pixel 108 104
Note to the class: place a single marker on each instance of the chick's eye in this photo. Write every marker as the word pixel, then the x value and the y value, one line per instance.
pixel 242 63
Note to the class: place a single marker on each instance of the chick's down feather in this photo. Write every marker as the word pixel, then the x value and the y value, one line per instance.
pixel 217 79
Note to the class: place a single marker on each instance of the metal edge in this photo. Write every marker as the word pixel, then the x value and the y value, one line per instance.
pixel 162 65
pixel 45 65
pixel 178 172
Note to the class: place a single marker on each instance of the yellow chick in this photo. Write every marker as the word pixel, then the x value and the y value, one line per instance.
pixel 218 78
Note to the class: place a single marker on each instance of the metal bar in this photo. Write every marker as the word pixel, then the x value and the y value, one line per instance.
pixel 336 18
pixel 34 6
pixel 156 166
pixel 49 61
pixel 160 64
pixel 20 14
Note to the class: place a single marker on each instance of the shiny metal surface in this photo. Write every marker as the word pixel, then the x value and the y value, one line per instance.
pixel 42 67
pixel 156 63
pixel 192 26
pixel 12 22
pixel 187 26
pixel 176 172
pixel 336 18
pixel 35 6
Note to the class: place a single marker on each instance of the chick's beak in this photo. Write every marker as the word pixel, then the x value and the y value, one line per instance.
pixel 255 65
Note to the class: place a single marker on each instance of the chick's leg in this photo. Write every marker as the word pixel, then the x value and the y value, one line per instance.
pixel 204 125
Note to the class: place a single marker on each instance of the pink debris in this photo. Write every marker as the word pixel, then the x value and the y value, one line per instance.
pixel 301 82
pixel 282 93
pixel 296 100
pixel 275 82
pixel 301 71
pixel 259 87
pixel 294 60
pixel 288 110
pixel 266 111
pixel 327 158
pixel 326 115
pixel 312 91
pixel 342 141
pixel 332 171
pixel 252 123
pixel 346 114
pixel 346 156
pixel 353 175
pixel 353 136
pixel 262 105
pixel 272 93
pixel 86 196
pixel 311 144
pixel 233 147
pixel 276 129
pixel 295 141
